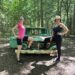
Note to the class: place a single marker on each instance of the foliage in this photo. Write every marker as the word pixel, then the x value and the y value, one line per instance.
pixel 37 13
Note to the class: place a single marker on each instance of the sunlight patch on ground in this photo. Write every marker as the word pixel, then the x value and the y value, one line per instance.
pixel 2 54
pixel 4 45
pixel 4 72
pixel 42 74
pixel 46 63
pixel 70 69
pixel 71 43
pixel 65 67
pixel 69 58
pixel 53 71
pixel 63 48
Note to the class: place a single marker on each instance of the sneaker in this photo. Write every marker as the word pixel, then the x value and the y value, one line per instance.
pixel 57 60
pixel 29 48
pixel 20 62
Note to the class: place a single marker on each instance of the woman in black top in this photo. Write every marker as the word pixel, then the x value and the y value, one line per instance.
pixel 58 31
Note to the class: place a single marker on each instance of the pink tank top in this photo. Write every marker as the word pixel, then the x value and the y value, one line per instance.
pixel 21 30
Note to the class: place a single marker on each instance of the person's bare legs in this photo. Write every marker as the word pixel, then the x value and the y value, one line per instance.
pixel 18 52
pixel 30 41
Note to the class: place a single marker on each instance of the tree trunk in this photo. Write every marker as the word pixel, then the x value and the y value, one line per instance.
pixel 41 11
pixel 74 21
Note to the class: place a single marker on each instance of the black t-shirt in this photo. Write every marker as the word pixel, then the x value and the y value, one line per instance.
pixel 56 30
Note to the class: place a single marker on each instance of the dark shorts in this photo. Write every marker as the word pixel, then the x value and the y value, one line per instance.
pixel 25 38
pixel 20 41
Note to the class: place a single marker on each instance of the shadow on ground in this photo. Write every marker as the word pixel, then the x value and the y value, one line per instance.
pixel 9 65
pixel 38 64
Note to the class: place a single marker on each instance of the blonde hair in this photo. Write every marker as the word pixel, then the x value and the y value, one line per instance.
pixel 57 18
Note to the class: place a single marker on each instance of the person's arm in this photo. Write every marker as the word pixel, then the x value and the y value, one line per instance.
pixel 13 30
pixel 65 29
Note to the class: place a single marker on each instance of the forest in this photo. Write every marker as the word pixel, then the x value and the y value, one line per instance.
pixel 37 13
pixel 17 58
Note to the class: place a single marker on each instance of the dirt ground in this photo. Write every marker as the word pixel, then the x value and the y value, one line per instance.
pixel 39 64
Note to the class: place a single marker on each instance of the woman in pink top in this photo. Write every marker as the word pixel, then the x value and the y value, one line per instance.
pixel 21 30
pixel 21 36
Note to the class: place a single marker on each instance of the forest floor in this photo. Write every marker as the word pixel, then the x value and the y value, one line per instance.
pixel 39 64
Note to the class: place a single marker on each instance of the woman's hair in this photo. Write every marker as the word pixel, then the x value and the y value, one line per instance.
pixel 57 18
